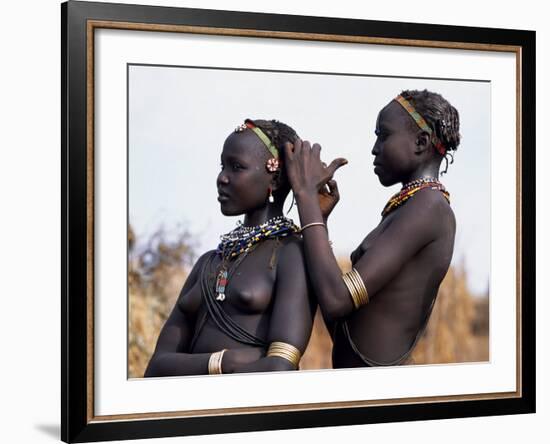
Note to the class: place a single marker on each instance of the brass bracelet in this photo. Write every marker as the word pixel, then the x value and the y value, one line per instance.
pixel 215 363
pixel 312 224
pixel 356 288
pixel 363 296
pixel 285 351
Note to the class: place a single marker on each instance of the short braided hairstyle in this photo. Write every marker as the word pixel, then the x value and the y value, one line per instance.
pixel 279 133
pixel 441 117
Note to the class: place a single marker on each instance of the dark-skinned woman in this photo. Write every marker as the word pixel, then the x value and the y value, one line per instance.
pixel 246 306
pixel 378 310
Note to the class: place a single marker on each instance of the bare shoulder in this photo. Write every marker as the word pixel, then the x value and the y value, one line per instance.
pixel 203 256
pixel 294 241
pixel 292 248
pixel 430 201
pixel 200 261
pixel 195 272
pixel 429 209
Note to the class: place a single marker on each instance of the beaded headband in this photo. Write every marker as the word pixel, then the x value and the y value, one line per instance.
pixel 272 164
pixel 421 123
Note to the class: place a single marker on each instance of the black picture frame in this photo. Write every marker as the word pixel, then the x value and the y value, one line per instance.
pixel 78 423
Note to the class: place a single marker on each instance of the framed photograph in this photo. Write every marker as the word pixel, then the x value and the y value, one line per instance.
pixel 151 99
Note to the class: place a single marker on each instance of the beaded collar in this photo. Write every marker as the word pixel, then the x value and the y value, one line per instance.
pixel 242 238
pixel 410 189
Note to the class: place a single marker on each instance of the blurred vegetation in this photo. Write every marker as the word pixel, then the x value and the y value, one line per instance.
pixel 156 273
pixel 458 330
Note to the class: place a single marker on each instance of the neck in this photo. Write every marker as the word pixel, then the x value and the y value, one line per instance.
pixel 424 171
pixel 261 215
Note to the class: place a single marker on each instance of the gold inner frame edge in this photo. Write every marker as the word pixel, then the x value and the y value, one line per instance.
pixel 96 24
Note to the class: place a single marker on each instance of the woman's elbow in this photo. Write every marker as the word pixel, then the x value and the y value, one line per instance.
pixel 334 302
pixel 334 310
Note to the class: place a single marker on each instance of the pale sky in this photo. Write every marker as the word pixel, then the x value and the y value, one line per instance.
pixel 179 118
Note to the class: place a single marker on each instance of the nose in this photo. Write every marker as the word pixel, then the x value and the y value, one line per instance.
pixel 222 179
pixel 375 149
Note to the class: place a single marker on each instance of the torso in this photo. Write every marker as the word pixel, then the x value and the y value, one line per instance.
pixel 386 328
pixel 248 301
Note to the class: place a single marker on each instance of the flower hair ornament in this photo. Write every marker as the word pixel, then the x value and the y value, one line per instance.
pixel 273 164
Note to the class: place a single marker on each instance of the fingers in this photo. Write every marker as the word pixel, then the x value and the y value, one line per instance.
pixel 335 164
pixel 289 150
pixel 324 190
pixel 316 150
pixel 302 147
pixel 298 147
pixel 306 148
pixel 333 189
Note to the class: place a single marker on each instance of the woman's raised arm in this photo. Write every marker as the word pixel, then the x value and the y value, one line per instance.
pixel 395 246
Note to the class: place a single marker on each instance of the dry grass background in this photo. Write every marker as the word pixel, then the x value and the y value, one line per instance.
pixel 458 330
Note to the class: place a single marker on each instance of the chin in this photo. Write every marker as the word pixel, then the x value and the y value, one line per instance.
pixel 228 211
pixel 231 213
pixel 383 180
pixel 386 181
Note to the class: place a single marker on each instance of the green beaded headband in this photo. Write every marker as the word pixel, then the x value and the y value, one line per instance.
pixel 274 163
pixel 268 143
pixel 261 135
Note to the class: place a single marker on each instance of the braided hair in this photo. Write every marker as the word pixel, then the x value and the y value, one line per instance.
pixel 441 116
pixel 279 133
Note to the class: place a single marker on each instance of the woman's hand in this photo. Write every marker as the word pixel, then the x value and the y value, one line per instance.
pixel 304 168
pixel 236 357
pixel 328 198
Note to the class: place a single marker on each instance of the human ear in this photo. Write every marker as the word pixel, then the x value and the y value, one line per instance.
pixel 276 180
pixel 422 142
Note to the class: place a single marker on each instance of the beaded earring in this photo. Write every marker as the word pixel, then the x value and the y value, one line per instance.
pixel 271 199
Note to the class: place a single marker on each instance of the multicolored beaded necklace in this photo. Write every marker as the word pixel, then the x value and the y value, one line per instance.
pixel 241 240
pixel 410 189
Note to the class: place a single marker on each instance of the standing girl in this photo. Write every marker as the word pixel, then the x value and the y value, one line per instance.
pixel 378 311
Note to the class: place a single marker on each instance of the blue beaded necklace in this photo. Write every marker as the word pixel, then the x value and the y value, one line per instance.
pixel 241 240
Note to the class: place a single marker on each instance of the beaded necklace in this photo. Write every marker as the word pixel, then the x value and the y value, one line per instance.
pixel 221 318
pixel 241 240
pixel 410 189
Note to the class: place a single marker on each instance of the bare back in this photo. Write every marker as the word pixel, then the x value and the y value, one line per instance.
pixel 385 330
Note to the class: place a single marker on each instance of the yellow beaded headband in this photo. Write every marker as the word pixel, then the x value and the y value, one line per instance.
pixel 421 122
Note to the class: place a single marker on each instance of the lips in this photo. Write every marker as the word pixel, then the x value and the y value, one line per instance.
pixel 222 197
